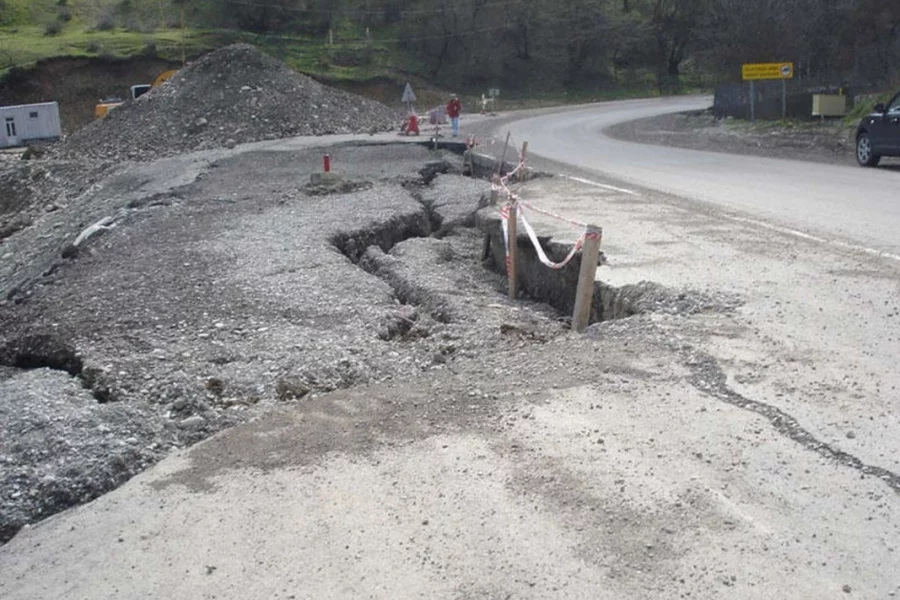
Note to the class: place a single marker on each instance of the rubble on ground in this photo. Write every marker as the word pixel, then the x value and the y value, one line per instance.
pixel 218 290
pixel 234 95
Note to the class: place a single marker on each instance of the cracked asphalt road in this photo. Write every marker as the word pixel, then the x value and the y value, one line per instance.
pixel 742 453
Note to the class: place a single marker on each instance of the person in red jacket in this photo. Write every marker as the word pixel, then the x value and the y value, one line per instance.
pixel 454 107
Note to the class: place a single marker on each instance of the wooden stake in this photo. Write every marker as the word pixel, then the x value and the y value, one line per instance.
pixel 503 156
pixel 524 174
pixel 584 295
pixel 513 251
pixel 495 196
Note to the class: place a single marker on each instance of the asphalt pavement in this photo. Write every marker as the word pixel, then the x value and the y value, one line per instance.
pixel 846 205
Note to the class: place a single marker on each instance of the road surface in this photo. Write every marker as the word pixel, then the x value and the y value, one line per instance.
pixel 846 204
pixel 741 443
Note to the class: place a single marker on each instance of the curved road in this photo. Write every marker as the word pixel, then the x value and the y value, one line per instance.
pixel 845 204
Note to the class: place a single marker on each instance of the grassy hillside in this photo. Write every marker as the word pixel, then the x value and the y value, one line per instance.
pixel 32 30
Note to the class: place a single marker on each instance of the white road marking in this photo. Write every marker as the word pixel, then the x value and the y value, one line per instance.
pixel 784 230
pixel 599 185
pixel 814 238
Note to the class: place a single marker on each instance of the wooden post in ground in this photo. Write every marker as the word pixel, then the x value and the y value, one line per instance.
pixel 523 175
pixel 584 296
pixel 513 261
pixel 495 197
pixel 503 156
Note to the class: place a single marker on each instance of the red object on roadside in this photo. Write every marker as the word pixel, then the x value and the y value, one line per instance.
pixel 327 162
pixel 413 128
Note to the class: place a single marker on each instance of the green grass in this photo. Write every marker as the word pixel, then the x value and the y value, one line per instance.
pixel 23 46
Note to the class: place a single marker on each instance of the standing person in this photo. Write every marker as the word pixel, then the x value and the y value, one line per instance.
pixel 454 107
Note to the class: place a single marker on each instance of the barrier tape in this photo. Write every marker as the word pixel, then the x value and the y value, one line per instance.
pixel 501 184
pixel 540 250
pixel 553 215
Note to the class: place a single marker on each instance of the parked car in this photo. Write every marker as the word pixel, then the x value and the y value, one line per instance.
pixel 878 133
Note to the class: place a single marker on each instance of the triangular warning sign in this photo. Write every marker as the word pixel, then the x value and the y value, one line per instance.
pixel 408 94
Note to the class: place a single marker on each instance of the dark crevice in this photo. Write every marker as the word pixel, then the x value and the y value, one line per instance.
pixel 386 235
pixel 49 351
pixel 708 377
pixel 42 351
pixel 426 223
pixel 435 219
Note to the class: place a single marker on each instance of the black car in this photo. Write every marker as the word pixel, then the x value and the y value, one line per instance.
pixel 878 134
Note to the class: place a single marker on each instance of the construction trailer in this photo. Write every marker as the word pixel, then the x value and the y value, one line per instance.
pixel 26 123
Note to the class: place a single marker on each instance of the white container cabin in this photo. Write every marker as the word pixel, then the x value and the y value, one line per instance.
pixel 26 123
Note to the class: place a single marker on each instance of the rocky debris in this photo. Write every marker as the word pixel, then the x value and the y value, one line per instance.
pixel 650 297
pixel 29 190
pixel 60 447
pixel 225 290
pixel 324 184
pixel 452 199
pixel 231 96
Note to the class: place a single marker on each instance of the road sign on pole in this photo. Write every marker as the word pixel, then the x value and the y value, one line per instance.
pixel 755 71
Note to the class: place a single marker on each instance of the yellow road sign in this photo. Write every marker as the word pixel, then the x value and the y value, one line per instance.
pixel 768 71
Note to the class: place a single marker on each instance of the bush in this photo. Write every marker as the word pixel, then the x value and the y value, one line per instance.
pixel 106 22
pixel 94 47
pixel 53 28
pixel 62 2
pixel 64 15
pixel 149 49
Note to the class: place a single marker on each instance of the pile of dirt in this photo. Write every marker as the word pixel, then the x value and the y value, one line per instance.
pixel 234 95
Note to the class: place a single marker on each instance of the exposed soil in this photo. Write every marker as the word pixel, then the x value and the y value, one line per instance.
pixel 77 84
pixel 825 142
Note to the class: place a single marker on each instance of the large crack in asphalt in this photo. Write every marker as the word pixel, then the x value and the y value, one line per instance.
pixel 708 377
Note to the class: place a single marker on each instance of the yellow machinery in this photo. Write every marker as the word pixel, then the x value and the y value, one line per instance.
pixel 102 109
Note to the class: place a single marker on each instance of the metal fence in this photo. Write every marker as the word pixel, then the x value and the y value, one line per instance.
pixel 733 99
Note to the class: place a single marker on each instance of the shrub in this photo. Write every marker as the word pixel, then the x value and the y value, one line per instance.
pixel 62 2
pixel 106 22
pixel 64 15
pixel 93 47
pixel 53 28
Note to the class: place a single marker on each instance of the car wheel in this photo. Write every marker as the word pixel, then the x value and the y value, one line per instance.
pixel 865 156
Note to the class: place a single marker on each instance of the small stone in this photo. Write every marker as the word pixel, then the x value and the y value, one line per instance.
pixel 846 589
pixel 230 144
pixel 193 422
pixel 851 435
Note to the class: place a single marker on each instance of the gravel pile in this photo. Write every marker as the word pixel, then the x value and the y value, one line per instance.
pixel 234 95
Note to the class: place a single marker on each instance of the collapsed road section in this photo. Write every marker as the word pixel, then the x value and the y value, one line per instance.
pixel 200 305
pixel 389 423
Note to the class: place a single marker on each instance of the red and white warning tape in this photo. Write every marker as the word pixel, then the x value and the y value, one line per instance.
pixel 501 185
